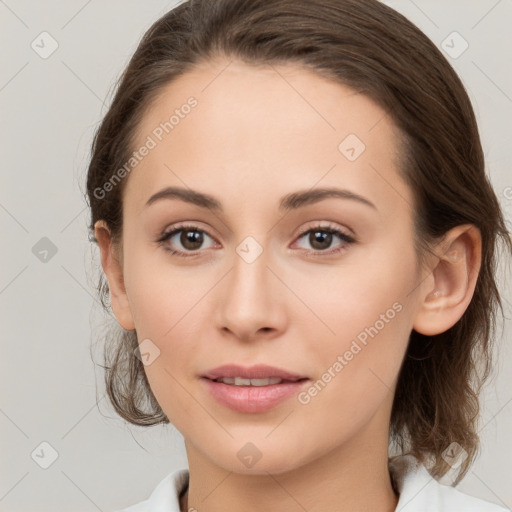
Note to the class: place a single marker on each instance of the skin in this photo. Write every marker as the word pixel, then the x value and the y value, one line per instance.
pixel 257 134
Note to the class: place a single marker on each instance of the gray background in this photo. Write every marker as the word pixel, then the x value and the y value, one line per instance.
pixel 49 313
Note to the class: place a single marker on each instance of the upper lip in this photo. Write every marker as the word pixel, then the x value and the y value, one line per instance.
pixel 260 371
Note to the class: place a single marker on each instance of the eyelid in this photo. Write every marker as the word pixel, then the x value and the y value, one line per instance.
pixel 186 225
pixel 320 225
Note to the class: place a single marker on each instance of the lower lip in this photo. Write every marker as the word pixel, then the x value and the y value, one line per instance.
pixel 253 398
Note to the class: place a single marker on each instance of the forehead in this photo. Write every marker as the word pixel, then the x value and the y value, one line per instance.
pixel 226 125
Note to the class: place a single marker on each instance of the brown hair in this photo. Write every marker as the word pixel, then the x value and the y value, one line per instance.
pixel 375 50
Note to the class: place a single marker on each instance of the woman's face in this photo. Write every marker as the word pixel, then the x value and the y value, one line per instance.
pixel 263 281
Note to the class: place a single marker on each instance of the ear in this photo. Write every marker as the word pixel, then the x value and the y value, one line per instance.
pixel 114 273
pixel 448 290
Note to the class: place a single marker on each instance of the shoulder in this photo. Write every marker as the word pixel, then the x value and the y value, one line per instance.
pixel 165 496
pixel 420 492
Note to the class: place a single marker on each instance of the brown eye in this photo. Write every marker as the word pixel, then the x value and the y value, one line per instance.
pixel 184 239
pixel 191 240
pixel 320 239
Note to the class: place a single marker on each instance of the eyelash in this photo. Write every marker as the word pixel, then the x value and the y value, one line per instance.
pixel 347 239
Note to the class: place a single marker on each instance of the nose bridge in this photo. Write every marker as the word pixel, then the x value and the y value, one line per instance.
pixel 249 301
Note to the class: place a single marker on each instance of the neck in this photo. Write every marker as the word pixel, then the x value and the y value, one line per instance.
pixel 353 477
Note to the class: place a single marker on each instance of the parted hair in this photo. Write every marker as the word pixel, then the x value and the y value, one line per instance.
pixel 376 51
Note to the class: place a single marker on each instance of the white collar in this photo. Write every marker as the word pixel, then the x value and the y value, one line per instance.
pixel 419 492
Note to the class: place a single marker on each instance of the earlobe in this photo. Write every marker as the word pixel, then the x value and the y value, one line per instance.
pixel 114 274
pixel 447 294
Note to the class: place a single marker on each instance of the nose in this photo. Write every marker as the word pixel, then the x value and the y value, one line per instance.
pixel 250 300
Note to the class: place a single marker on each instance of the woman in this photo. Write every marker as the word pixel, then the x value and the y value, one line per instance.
pixel 299 241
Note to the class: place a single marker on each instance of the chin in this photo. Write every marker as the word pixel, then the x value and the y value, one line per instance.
pixel 251 460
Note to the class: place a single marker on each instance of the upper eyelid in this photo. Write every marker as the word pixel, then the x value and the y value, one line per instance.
pixel 186 227
pixel 326 225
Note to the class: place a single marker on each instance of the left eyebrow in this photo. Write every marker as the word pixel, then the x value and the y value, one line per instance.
pixel 289 202
pixel 303 198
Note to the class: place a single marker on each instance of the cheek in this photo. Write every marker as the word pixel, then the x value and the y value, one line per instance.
pixel 368 309
pixel 161 294
pixel 169 304
pixel 367 298
pixel 363 362
pixel 356 376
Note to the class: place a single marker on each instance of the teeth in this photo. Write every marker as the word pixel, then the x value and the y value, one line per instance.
pixel 240 381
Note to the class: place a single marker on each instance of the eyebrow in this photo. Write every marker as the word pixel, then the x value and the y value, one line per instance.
pixel 289 202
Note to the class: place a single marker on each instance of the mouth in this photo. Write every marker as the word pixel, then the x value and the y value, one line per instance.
pixel 257 375
pixel 270 381
pixel 253 389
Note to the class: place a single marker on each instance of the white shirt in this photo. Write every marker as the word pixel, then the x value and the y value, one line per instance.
pixel 418 491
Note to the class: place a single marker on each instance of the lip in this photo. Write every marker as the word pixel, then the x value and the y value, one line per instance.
pixel 252 399
pixel 260 371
